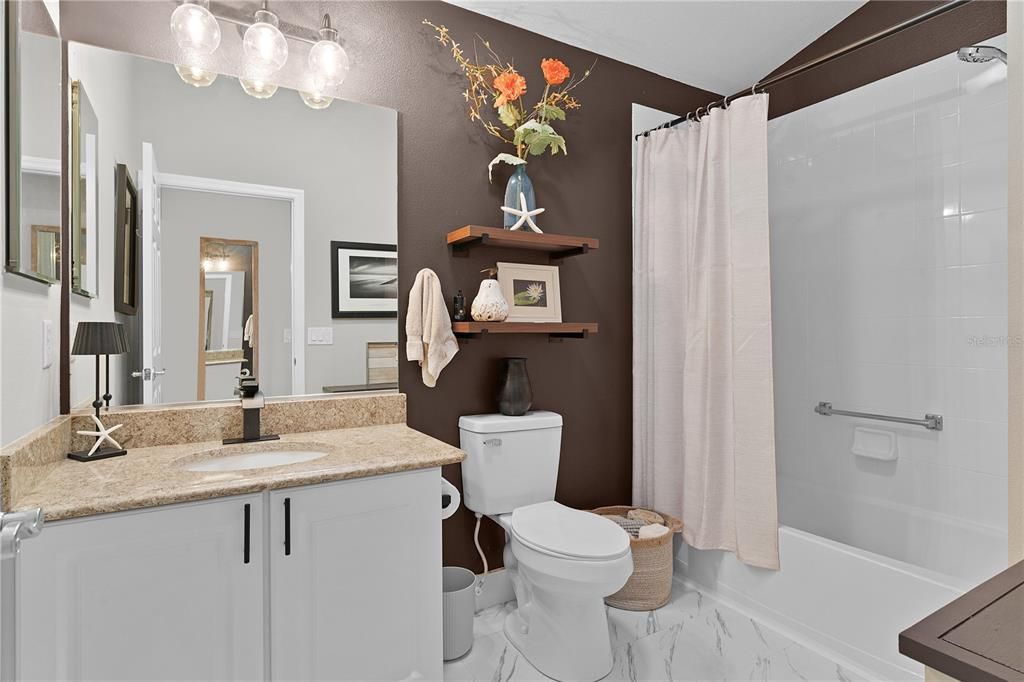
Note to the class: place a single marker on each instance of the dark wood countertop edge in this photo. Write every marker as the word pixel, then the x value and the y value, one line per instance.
pixel 923 641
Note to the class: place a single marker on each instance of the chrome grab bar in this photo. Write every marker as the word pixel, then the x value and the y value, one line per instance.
pixel 933 422
pixel 14 527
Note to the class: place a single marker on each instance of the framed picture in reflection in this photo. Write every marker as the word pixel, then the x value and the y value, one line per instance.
pixel 126 242
pixel 364 280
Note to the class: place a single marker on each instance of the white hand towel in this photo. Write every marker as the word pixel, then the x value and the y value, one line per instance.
pixel 654 530
pixel 428 329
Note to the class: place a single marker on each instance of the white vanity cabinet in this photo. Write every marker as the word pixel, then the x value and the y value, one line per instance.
pixel 343 582
pixel 153 594
pixel 355 580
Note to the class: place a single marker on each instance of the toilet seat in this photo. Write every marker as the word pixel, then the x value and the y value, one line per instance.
pixel 565 533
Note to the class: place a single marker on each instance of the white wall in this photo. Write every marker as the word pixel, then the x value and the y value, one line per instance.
pixel 889 277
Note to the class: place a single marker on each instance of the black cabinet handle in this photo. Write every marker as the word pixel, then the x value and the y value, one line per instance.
pixel 245 545
pixel 287 526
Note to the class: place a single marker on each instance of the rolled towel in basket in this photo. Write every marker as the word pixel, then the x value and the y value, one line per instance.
pixel 654 530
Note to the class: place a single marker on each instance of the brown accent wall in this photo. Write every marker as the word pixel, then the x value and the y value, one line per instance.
pixel 443 185
pixel 967 25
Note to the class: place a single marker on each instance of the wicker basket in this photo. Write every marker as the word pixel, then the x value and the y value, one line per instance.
pixel 650 586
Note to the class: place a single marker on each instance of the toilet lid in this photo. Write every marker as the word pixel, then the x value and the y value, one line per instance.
pixel 556 529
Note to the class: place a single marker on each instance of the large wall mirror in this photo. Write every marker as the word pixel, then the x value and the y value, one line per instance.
pixel 237 199
pixel 32 66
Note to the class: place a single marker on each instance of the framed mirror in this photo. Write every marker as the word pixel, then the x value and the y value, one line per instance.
pixel 84 179
pixel 236 206
pixel 229 306
pixel 32 74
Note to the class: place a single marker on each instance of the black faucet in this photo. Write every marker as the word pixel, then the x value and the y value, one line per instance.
pixel 248 390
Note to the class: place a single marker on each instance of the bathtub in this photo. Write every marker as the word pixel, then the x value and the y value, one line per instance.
pixel 843 602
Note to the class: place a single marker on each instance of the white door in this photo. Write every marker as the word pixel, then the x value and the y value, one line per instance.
pixel 157 594
pixel 355 580
pixel 152 316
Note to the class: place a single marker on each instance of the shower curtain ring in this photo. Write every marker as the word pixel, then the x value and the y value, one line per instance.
pixel 753 89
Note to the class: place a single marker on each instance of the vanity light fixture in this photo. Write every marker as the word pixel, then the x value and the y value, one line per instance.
pixel 258 88
pixel 265 47
pixel 195 75
pixel 195 28
pixel 328 61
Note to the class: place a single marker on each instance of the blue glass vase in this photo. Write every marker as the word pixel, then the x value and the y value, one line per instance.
pixel 518 182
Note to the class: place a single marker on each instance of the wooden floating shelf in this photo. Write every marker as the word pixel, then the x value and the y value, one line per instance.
pixel 556 245
pixel 557 330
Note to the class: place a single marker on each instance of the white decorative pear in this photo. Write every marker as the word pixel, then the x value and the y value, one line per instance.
pixel 489 305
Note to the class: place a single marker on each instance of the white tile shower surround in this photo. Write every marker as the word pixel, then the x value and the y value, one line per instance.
pixel 889 278
pixel 693 637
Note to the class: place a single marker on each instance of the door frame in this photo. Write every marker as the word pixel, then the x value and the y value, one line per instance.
pixel 296 197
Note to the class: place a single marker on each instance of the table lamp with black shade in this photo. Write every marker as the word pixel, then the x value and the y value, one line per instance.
pixel 100 339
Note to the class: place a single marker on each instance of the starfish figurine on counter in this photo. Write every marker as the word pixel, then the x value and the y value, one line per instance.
pixel 524 213
pixel 102 435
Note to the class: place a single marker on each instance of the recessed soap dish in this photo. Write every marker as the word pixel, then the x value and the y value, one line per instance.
pixel 874 444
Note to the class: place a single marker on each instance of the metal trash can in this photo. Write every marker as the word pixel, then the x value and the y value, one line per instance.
pixel 459 609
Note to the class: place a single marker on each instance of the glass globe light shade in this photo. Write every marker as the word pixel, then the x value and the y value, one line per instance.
pixel 195 75
pixel 265 47
pixel 195 28
pixel 315 99
pixel 260 89
pixel 329 61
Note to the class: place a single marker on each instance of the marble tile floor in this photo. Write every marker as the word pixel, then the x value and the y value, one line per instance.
pixel 693 637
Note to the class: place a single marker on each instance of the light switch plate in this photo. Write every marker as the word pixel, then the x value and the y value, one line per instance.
pixel 287 337
pixel 320 336
pixel 47 344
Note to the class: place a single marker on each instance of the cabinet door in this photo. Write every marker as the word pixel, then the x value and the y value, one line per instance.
pixel 157 594
pixel 355 579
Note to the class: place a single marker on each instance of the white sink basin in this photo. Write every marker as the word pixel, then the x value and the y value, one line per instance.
pixel 256 460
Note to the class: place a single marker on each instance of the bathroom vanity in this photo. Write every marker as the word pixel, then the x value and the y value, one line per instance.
pixel 172 563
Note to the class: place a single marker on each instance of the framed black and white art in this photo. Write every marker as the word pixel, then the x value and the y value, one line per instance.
pixel 364 280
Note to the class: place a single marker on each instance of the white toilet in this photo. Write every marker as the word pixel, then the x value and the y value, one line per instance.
pixel 563 562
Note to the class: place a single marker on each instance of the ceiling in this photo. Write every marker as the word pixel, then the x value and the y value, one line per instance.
pixel 723 46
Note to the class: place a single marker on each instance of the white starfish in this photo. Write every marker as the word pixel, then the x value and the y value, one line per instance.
pixel 103 434
pixel 525 215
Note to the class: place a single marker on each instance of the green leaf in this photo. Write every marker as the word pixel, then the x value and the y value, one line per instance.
pixel 508 114
pixel 551 112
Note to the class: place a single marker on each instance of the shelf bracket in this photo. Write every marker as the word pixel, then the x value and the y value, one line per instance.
pixel 567 253
pixel 558 336
pixel 461 250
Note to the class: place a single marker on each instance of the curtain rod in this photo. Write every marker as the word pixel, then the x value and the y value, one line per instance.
pixel 819 61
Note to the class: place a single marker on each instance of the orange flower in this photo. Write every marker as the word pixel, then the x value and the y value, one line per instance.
pixel 555 72
pixel 510 86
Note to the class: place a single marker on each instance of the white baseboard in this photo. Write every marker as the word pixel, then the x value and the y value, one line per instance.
pixel 497 589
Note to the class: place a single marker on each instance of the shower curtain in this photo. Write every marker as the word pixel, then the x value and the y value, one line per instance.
pixel 703 415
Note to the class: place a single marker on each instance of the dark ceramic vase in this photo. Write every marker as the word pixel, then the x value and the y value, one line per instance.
pixel 514 394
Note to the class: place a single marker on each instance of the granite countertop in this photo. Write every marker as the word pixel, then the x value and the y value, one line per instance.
pixel 153 476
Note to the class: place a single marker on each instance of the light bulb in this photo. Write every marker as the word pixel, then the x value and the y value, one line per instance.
pixel 195 28
pixel 195 75
pixel 258 88
pixel 328 60
pixel 265 47
pixel 207 264
pixel 315 99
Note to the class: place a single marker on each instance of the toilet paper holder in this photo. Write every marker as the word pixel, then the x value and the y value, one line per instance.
pixel 450 499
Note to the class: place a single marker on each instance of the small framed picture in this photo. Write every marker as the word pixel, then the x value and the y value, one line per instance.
pixel 364 280
pixel 532 292
pixel 126 252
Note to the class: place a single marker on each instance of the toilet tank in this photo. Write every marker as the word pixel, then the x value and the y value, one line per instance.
pixel 511 462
